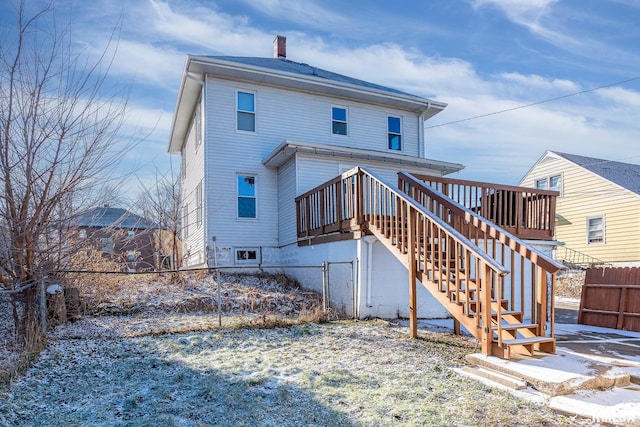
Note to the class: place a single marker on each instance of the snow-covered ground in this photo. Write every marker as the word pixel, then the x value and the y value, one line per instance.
pixel 96 372
pixel 155 366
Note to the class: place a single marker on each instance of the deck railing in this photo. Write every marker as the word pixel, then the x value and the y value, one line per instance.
pixel 525 212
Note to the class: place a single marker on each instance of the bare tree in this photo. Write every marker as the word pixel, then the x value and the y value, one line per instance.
pixel 58 130
pixel 160 203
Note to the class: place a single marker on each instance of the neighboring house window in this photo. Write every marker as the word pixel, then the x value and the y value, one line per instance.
pixel 394 126
pixel 246 117
pixel 199 207
pixel 107 244
pixel 185 221
pixel 595 230
pixel 82 234
pixel 246 196
pixel 339 120
pixel 131 233
pixel 131 256
pixel 553 183
pixel 246 255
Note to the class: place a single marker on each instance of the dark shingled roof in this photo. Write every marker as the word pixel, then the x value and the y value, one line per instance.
pixel 626 175
pixel 113 217
pixel 287 66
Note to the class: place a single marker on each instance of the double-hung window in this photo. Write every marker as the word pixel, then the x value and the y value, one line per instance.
pixel 595 230
pixel 394 131
pixel 550 183
pixel 339 120
pixel 199 207
pixel 246 112
pixel 247 196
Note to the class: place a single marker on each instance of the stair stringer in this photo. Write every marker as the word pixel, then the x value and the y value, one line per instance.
pixel 456 310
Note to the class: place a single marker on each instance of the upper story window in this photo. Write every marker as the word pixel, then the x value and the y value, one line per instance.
pixel 246 114
pixel 550 183
pixel 595 230
pixel 246 196
pixel 131 233
pixel 82 233
pixel 339 120
pixel 394 130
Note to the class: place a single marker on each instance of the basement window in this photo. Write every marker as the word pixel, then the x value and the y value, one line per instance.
pixel 247 256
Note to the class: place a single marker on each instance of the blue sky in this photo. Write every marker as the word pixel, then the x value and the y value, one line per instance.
pixel 479 56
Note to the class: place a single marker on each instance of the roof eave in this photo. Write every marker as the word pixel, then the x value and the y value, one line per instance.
pixel 287 149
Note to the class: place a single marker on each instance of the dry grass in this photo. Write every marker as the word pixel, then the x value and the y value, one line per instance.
pixel 333 374
pixel 569 283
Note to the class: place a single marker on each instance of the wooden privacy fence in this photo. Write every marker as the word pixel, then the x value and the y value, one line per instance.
pixel 611 298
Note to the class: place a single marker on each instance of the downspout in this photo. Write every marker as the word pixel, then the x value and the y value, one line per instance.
pixel 423 144
pixel 369 270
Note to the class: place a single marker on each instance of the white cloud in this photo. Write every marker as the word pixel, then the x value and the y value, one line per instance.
pixel 307 13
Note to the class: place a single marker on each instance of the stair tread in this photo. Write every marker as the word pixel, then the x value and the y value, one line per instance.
pixel 525 341
pixel 510 326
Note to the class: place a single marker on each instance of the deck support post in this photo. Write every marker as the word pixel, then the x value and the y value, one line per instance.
pixel 487 333
pixel 413 314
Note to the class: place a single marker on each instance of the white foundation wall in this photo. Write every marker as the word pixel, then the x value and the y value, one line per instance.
pixel 384 286
pixel 363 279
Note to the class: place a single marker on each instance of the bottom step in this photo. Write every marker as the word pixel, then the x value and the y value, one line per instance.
pixel 497 377
pixel 525 346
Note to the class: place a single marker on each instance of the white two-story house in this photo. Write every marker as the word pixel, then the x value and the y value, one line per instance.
pixel 254 133
pixel 289 167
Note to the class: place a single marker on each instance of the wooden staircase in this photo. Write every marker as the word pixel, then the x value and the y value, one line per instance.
pixel 493 284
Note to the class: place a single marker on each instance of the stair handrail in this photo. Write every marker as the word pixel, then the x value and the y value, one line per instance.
pixel 485 225
pixel 496 266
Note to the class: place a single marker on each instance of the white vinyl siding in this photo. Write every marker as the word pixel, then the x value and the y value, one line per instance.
pixel 192 162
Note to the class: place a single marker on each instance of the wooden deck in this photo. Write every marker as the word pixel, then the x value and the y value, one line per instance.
pixel 491 282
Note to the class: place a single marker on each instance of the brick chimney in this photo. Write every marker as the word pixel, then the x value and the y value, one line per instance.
pixel 280 47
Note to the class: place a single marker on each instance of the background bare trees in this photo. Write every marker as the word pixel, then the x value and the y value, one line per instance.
pixel 59 126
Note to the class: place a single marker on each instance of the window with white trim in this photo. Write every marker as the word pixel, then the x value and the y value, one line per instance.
pixel 247 256
pixel 595 230
pixel 131 233
pixel 553 183
pixel 246 112
pixel 247 197
pixel 338 120
pixel 199 207
pixel 394 132
pixel 82 234
pixel 185 221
